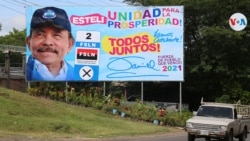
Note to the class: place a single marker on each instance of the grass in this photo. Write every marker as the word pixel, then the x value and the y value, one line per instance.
pixel 25 115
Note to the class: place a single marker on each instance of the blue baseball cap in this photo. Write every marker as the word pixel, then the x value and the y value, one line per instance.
pixel 56 16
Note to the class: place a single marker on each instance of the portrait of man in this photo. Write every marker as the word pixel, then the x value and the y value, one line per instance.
pixel 49 41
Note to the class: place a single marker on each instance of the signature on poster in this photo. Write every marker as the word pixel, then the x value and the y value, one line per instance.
pixel 124 66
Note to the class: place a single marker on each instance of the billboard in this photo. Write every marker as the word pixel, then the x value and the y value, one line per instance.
pixel 110 44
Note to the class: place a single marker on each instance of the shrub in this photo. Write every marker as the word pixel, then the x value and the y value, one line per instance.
pixel 176 118
pixel 92 98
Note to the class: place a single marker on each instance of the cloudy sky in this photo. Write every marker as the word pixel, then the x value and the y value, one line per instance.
pixel 13 12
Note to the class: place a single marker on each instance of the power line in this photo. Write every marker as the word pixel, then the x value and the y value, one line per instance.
pixel 64 1
pixel 21 3
pixel 104 1
pixel 31 3
pixel 94 3
pixel 116 1
pixel 7 1
pixel 12 9
pixel 25 3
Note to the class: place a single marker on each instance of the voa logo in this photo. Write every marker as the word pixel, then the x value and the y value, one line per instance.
pixel 238 21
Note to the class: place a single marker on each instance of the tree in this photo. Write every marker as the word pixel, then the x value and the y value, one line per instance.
pixel 217 58
pixel 222 55
pixel 16 38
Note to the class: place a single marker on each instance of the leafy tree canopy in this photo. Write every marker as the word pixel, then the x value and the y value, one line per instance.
pixel 16 38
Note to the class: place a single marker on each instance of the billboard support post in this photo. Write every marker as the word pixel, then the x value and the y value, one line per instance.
pixel 141 91
pixel 180 105
pixel 66 91
pixel 104 88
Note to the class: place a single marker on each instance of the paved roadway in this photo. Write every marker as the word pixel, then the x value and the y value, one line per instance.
pixel 174 136
pixel 179 136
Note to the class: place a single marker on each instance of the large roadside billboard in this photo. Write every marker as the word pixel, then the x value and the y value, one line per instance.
pixel 110 44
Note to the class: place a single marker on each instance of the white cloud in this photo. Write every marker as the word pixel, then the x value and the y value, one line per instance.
pixel 17 22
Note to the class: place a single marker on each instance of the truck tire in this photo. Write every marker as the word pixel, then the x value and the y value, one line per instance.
pixel 207 139
pixel 229 136
pixel 191 137
pixel 243 135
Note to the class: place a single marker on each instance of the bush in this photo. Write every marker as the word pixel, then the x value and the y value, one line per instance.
pixel 176 118
pixel 92 98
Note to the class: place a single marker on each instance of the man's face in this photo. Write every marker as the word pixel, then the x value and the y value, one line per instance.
pixel 49 45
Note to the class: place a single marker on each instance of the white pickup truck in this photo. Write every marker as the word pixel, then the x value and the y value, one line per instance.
pixel 220 121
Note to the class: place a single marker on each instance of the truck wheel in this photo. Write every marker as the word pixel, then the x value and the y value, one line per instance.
pixel 229 136
pixel 191 137
pixel 207 139
pixel 243 135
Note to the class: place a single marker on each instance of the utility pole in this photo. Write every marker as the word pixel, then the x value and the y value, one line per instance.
pixel 7 67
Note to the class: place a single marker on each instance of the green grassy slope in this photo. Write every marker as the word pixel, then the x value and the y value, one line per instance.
pixel 25 115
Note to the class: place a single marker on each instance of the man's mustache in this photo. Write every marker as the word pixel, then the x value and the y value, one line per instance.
pixel 47 49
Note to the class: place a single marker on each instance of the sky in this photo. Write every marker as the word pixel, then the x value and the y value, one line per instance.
pixel 13 12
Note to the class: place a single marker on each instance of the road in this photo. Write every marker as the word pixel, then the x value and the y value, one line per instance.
pixel 180 136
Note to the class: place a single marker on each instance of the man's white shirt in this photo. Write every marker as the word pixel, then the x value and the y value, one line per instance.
pixel 46 74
